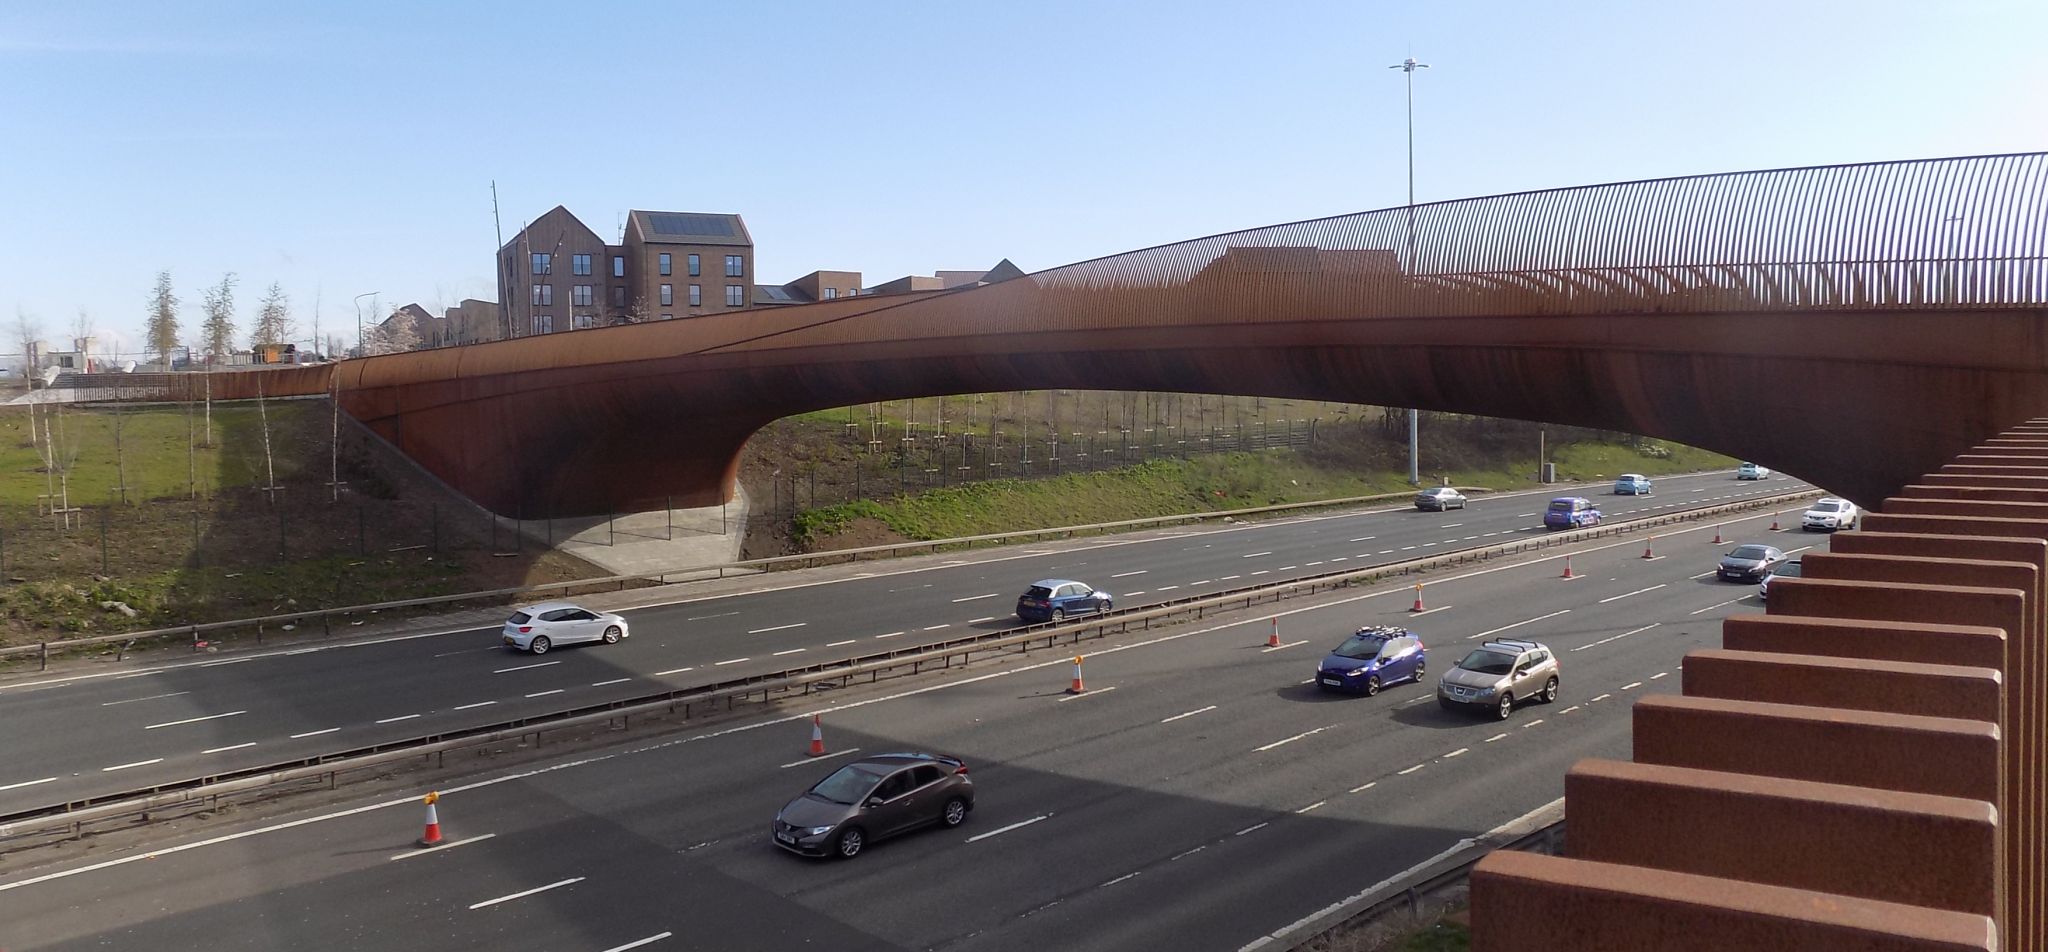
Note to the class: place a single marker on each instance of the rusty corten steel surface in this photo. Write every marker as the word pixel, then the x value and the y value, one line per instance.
pixel 1531 901
pixel 1825 321
pixel 1909 848
pixel 1909 617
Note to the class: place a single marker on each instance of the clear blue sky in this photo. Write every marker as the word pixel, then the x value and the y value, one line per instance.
pixel 342 148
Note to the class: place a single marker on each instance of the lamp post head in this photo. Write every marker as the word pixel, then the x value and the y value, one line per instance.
pixel 1409 65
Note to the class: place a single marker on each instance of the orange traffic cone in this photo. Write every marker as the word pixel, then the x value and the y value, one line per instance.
pixel 432 837
pixel 1774 525
pixel 1273 640
pixel 817 736
pixel 1717 535
pixel 1567 568
pixel 1418 598
pixel 1076 687
pixel 1647 544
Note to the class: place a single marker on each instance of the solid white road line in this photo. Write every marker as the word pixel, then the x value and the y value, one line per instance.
pixel 526 667
pixel 662 674
pixel 216 750
pixel 26 783
pixel 544 693
pixel 1530 621
pixel 194 720
pixel 1002 830
pixel 636 943
pixel 1202 710
pixel 763 631
pixel 149 698
pixel 731 661
pixel 394 720
pixel 466 707
pixel 315 733
pixel 1639 591
pixel 1094 691
pixel 529 892
pixel 139 763
pixel 1129 574
pixel 451 844
pixel 975 598
pixel 820 757
pixel 1290 740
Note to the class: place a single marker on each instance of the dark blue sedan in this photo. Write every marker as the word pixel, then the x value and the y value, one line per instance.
pixel 1372 659
pixel 1057 599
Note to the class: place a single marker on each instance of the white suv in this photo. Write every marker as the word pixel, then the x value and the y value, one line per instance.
pixel 1828 514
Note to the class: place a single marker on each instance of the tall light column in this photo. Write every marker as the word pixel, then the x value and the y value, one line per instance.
pixel 1408 67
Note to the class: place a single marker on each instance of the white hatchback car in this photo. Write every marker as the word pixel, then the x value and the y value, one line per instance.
pixel 537 628
pixel 1828 514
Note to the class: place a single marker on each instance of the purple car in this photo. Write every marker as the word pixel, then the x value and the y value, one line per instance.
pixel 1571 512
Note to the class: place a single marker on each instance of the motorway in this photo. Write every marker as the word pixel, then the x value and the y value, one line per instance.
pixel 127 727
pixel 1202 794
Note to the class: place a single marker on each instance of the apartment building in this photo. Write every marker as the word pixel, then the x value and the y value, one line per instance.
pixel 558 275
pixel 809 289
pixel 948 280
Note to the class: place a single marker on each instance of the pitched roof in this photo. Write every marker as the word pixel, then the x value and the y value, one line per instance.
pixel 688 228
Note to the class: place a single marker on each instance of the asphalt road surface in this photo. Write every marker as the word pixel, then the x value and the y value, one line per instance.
pixel 102 732
pixel 1202 794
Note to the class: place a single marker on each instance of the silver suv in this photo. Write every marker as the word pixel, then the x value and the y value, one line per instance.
pixel 1497 674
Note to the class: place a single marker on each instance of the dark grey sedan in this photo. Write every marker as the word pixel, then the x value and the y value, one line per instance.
pixel 1750 563
pixel 872 799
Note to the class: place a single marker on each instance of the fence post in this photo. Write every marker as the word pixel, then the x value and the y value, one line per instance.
pixel 46 656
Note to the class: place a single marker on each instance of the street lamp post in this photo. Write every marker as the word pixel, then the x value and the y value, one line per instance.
pixel 1408 67
pixel 362 351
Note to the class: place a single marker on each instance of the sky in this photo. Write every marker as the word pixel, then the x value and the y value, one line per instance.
pixel 338 149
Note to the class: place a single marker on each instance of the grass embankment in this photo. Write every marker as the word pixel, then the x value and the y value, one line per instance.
pixel 170 528
pixel 1203 483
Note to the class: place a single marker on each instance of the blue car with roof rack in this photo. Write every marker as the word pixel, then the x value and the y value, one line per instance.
pixel 1372 658
pixel 1571 512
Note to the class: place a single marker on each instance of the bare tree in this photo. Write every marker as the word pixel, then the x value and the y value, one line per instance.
pixel 269 465
pixel 334 346
pixel 161 334
pixel 219 328
pixel 274 324
pixel 316 320
pixel 29 331
pixel 120 454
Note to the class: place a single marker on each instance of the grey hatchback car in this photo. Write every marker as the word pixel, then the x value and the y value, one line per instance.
pixel 872 799
pixel 1497 674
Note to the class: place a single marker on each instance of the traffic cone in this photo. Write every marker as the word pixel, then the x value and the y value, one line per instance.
pixel 817 736
pixel 1567 568
pixel 1076 687
pixel 1774 524
pixel 1717 535
pixel 1647 544
pixel 1273 640
pixel 432 837
pixel 1418 598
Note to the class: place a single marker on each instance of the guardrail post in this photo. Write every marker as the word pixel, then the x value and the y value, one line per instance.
pixel 46 656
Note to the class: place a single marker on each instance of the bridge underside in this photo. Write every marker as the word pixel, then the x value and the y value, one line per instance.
pixel 1857 402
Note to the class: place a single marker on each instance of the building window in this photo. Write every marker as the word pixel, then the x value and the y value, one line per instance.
pixel 668 317
pixel 543 263
pixel 543 294
pixel 619 296
pixel 618 266
pixel 543 324
pixel 696 266
pixel 583 321
pixel 735 295
pixel 831 293
pixel 696 294
pixel 735 266
pixel 579 264
pixel 667 265
pixel 668 295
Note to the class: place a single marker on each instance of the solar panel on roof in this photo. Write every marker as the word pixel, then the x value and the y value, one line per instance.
pixel 717 226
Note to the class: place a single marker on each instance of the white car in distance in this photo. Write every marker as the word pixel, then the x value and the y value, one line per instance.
pixel 538 628
pixel 1828 514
